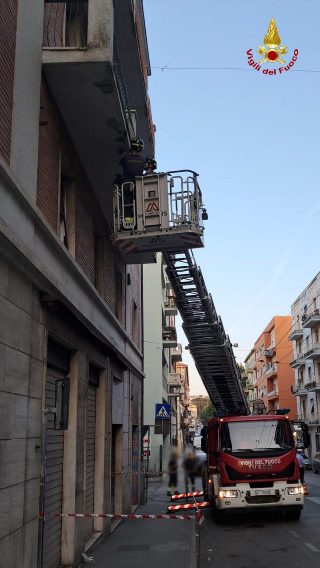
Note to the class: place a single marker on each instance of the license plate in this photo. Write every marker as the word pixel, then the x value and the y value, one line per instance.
pixel 263 492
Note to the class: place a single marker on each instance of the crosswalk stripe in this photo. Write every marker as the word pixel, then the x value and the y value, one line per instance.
pixel 313 548
pixel 314 499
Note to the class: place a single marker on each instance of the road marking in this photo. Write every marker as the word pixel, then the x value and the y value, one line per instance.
pixel 295 534
pixel 313 548
pixel 314 499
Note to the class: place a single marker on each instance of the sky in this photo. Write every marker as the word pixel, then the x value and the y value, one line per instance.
pixel 253 139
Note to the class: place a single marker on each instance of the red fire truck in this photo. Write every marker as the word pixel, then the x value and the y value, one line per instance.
pixel 251 465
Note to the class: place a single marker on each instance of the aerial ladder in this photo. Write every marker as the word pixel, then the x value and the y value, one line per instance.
pixel 164 213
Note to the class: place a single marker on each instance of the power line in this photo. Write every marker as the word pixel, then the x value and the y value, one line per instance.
pixel 167 68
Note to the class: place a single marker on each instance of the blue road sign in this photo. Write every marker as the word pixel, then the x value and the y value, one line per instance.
pixel 163 411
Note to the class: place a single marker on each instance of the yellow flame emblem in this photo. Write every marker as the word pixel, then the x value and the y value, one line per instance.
pixel 272 41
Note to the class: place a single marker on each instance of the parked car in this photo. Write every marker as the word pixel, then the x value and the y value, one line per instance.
pixel 306 461
pixel 316 463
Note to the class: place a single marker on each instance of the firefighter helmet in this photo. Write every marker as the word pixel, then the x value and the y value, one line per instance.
pixel 137 143
pixel 151 162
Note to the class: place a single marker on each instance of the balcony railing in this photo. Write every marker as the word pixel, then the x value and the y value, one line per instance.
pixel 311 320
pixel 169 334
pixel 123 93
pixel 175 379
pixel 313 353
pixel 271 368
pixel 273 393
pixel 65 24
pixel 295 334
pixel 298 361
pixel 269 352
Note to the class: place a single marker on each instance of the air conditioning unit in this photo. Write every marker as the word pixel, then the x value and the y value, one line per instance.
pixel 315 312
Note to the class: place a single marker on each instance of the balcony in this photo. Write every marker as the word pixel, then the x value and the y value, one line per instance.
pixel 271 370
pixel 176 354
pixel 313 353
pixel 312 386
pixel 170 308
pixel 174 380
pixel 313 320
pixel 295 334
pixel 269 352
pixel 82 65
pixel 272 395
pixel 169 337
pixel 299 389
pixel 298 361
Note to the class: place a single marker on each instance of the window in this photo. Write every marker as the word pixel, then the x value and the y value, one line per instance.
pixel 119 280
pixel 255 436
pixel 134 318
pixel 66 208
pixel 63 233
pixel 265 391
pixel 99 263
pixel 311 405
pixel 316 336
pixel 309 372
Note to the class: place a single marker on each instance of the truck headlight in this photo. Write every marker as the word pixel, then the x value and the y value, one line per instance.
pixel 296 490
pixel 227 494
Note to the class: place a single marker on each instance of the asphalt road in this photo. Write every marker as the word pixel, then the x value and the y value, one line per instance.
pixel 265 541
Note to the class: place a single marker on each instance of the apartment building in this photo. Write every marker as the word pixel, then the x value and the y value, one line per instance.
pixel 74 80
pixel 305 336
pixel 161 352
pixel 274 376
pixel 250 378
pixel 184 400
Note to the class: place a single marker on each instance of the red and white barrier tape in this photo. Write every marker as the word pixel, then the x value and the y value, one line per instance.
pixel 189 506
pixel 184 495
pixel 107 516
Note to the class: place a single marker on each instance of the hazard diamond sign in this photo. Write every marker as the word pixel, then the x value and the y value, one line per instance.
pixel 152 207
pixel 163 411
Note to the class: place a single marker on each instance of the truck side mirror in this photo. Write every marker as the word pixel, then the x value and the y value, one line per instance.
pixel 204 439
pixel 305 434
pixel 204 444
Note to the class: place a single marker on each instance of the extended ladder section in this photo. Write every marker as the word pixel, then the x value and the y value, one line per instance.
pixel 208 343
pixel 163 213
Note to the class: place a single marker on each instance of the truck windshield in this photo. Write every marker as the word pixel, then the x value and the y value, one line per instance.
pixel 256 436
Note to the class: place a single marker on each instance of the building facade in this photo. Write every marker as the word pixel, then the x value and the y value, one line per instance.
pixel 250 378
pixel 274 376
pixel 161 352
pixel 73 89
pixel 305 337
pixel 183 402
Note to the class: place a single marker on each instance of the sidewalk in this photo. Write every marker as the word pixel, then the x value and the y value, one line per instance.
pixel 145 543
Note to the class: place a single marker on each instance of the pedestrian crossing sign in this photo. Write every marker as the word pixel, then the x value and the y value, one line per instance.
pixel 163 411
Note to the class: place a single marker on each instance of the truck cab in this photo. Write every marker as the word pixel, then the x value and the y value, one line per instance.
pixel 252 465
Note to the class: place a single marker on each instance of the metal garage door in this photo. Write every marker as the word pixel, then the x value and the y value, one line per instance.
pixel 90 448
pixel 53 479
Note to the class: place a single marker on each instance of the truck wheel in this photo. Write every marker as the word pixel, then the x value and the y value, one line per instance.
pixel 293 515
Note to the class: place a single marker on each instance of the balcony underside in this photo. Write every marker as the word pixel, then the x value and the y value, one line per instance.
pixel 84 87
pixel 132 70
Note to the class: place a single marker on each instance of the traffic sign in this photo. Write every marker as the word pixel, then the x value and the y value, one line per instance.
pixel 163 411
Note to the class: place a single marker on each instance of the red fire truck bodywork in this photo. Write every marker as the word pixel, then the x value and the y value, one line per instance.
pixel 253 479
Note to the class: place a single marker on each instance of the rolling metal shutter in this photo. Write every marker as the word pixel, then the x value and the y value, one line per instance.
pixel 90 457
pixel 53 479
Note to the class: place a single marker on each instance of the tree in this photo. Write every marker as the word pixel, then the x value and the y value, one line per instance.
pixel 207 412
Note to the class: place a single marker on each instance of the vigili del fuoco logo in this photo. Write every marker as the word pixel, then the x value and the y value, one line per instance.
pixel 272 52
